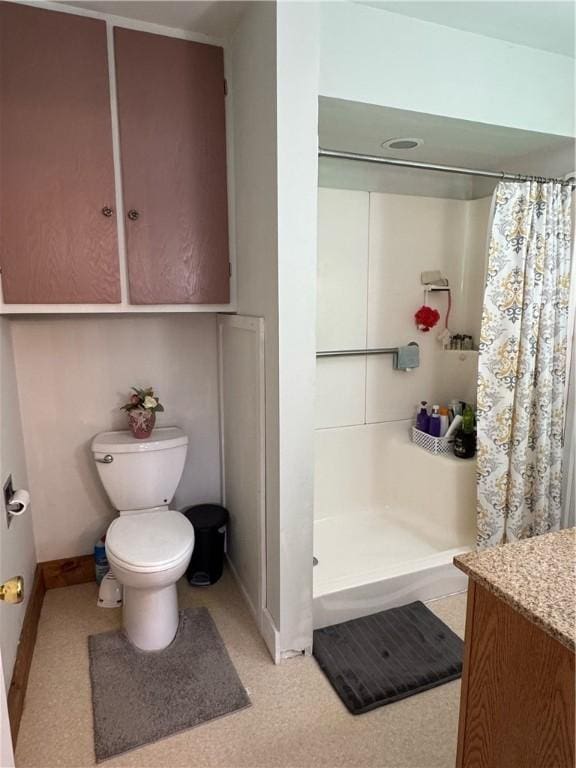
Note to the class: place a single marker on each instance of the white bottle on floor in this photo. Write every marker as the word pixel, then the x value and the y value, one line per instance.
pixel 110 594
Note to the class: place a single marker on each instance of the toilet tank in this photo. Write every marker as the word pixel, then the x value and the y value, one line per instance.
pixel 140 474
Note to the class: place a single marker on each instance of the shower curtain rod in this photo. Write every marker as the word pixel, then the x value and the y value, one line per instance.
pixel 336 154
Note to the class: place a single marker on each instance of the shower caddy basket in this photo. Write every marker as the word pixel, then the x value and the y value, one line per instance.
pixel 435 445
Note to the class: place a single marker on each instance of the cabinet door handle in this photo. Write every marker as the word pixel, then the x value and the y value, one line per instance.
pixel 107 211
pixel 133 215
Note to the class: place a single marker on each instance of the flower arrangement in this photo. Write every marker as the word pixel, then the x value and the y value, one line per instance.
pixel 142 409
pixel 426 318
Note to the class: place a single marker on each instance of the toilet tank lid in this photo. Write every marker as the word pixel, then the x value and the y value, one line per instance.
pixel 124 442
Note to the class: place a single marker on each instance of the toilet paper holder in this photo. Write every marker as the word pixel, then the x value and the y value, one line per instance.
pixel 15 502
pixel 16 506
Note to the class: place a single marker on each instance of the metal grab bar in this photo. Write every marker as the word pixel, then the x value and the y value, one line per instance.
pixel 356 352
pixel 400 362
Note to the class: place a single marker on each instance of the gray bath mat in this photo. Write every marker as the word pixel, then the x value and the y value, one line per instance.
pixel 388 656
pixel 139 697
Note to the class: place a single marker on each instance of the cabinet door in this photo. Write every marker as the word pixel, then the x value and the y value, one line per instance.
pixel 58 235
pixel 173 149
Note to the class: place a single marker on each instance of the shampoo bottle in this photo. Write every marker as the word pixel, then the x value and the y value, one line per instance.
pixel 454 427
pixel 435 422
pixel 465 441
pixel 101 566
pixel 444 421
pixel 455 407
pixel 422 418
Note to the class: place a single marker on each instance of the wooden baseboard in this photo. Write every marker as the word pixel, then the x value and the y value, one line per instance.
pixel 17 690
pixel 68 572
pixel 48 575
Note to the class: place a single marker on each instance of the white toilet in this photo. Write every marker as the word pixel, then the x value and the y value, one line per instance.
pixel 149 545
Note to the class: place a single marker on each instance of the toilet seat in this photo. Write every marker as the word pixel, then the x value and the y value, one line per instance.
pixel 150 541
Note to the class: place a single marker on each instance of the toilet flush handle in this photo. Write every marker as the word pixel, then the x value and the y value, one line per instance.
pixel 108 459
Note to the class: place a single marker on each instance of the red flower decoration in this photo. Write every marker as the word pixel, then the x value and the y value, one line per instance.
pixel 426 318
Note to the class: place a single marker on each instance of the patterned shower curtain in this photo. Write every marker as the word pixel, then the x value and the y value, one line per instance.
pixel 522 362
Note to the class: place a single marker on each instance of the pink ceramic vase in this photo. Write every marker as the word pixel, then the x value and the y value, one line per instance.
pixel 141 422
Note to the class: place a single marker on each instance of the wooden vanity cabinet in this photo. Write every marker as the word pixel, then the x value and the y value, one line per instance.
pixel 517 705
pixel 173 154
pixel 58 241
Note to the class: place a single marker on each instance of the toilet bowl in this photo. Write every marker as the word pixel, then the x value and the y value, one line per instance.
pixel 149 545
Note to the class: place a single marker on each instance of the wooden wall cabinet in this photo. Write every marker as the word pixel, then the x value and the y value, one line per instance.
pixel 59 236
pixel 173 150
pixel 57 173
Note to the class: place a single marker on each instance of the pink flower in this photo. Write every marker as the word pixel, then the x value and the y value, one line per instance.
pixel 135 399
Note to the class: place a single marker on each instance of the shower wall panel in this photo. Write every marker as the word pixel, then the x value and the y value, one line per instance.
pixel 372 249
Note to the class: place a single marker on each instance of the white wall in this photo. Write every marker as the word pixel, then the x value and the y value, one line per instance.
pixel 475 263
pixel 275 63
pixel 242 404
pixel 372 248
pixel 73 375
pixel 378 57
pixel 253 57
pixel 17 553
pixel 297 126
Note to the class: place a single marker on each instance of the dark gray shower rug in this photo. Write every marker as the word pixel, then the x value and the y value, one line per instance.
pixel 388 656
pixel 139 697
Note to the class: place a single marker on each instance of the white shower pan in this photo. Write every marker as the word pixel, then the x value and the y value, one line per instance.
pixel 389 518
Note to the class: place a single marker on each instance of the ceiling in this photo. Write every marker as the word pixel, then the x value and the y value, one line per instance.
pixel 545 24
pixel 214 18
pixel 359 127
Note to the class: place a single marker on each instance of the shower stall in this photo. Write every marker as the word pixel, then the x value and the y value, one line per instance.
pixel 389 516
pixel 389 519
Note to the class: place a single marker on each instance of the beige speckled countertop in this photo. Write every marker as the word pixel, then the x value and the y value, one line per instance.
pixel 536 577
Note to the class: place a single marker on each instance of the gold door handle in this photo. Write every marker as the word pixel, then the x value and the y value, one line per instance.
pixel 12 591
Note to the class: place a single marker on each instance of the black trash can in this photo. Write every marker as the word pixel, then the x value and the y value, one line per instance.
pixel 209 521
